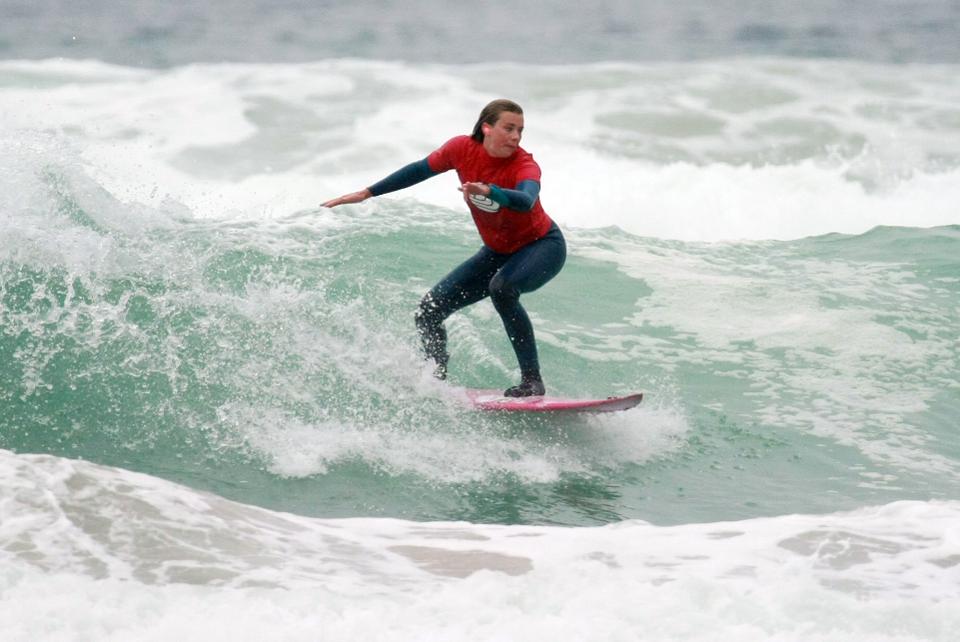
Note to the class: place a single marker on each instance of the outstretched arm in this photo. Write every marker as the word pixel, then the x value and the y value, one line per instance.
pixel 406 176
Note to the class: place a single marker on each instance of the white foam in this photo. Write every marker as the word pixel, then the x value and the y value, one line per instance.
pixel 450 444
pixel 96 553
pixel 779 149
pixel 726 202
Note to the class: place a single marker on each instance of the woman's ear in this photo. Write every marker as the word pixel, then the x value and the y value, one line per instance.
pixel 485 128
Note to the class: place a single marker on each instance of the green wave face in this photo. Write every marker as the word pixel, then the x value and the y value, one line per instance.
pixel 276 362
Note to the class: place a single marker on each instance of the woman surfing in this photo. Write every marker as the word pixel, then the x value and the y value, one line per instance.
pixel 522 247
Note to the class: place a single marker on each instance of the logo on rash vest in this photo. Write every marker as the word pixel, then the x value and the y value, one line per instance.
pixel 484 203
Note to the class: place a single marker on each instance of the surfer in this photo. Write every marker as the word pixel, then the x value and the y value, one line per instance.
pixel 522 247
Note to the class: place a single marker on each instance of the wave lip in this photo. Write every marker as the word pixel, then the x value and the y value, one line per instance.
pixel 766 148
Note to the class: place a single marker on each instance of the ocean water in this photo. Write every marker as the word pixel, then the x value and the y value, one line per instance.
pixel 214 419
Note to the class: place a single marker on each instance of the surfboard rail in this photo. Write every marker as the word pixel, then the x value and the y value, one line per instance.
pixel 494 400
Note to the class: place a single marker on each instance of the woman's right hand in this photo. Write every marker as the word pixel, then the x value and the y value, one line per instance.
pixel 347 199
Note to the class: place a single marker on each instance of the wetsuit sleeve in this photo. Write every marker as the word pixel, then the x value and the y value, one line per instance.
pixel 520 199
pixel 406 176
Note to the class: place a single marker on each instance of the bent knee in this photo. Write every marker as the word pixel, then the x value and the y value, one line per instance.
pixel 501 290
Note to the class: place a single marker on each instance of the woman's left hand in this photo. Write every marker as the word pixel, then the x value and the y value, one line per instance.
pixel 479 189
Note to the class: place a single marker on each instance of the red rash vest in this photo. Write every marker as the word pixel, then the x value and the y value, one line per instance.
pixel 503 230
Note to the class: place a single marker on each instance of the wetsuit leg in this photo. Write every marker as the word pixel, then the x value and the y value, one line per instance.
pixel 526 270
pixel 465 285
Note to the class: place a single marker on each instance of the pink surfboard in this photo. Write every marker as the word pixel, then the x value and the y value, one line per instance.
pixel 494 400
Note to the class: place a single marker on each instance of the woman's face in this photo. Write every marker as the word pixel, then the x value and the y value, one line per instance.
pixel 503 137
